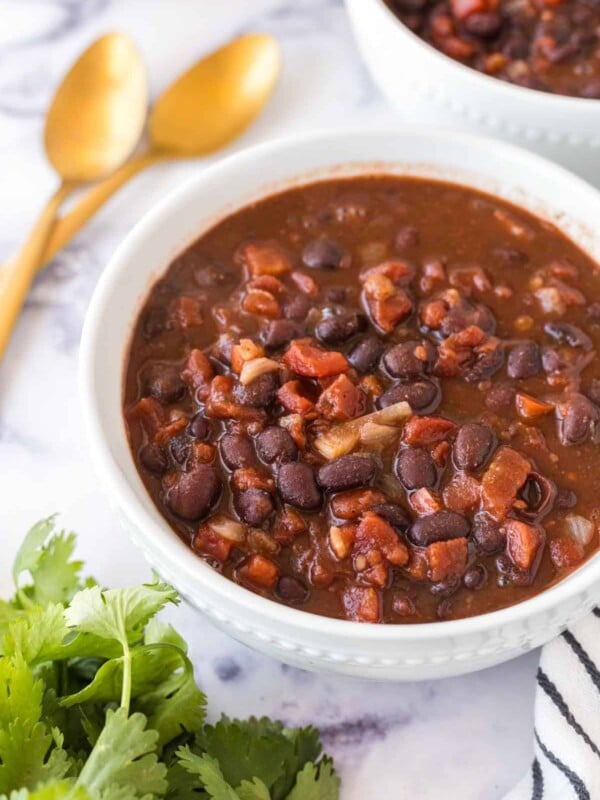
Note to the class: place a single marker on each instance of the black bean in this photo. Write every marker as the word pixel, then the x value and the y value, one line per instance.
pixel 524 360
pixel 154 322
pixel 297 486
pixel 473 446
pixel 163 382
pixel 365 355
pixel 593 312
pixel 323 254
pixel 410 5
pixel 487 534
pixel 291 590
pixel 338 328
pixel 438 527
pixel 578 418
pixel 199 427
pixel 406 237
pixel 193 494
pixel 593 392
pixel 347 472
pixel 483 24
pixel 395 515
pixel 402 361
pixel 153 459
pixel 566 498
pixel 297 307
pixel 415 468
pixel 236 451
pixel 259 392
pixel 280 332
pixel 510 256
pixel 475 577
pixel 500 398
pixel 179 447
pixel 551 360
pixel 209 275
pixel 253 506
pixel 423 396
pixel 336 294
pixel 565 333
pixel 276 444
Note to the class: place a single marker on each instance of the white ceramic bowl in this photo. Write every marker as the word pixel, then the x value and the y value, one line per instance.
pixel 385 652
pixel 428 86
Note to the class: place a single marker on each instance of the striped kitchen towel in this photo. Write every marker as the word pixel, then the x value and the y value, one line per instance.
pixel 567 719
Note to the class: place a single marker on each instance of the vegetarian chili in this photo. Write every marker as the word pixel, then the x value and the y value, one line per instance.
pixel 550 45
pixel 376 399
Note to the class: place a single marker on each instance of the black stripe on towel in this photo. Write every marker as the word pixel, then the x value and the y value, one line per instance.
pixel 538 781
pixel 596 611
pixel 574 779
pixel 591 669
pixel 546 684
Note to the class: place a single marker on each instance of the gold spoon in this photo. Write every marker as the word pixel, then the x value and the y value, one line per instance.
pixel 206 108
pixel 95 120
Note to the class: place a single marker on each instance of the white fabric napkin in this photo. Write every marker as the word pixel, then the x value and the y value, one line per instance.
pixel 567 719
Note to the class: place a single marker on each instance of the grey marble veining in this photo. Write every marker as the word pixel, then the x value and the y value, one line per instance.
pixel 466 738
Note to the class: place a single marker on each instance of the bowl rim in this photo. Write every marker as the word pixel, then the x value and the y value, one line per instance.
pixel 487 82
pixel 158 537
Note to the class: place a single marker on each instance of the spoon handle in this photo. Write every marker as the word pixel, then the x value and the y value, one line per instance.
pixel 70 224
pixel 18 274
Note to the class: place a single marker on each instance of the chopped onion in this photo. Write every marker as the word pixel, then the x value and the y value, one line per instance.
pixel 255 368
pixel 343 438
pixel 580 528
pixel 374 435
pixel 227 528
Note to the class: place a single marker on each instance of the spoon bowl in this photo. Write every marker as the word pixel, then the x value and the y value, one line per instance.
pixel 215 101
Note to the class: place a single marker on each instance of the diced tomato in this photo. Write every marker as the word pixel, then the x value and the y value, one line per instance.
pixel 388 313
pixel 209 543
pixel 439 453
pixel 530 407
pixel 305 359
pixel 464 8
pixel 424 501
pixel 399 272
pixel 432 313
pixel 374 533
pixel 221 405
pixel 446 559
pixel 201 453
pixel 523 541
pixel 291 398
pixel 264 258
pixel 362 604
pixel 289 525
pixel 197 374
pixel 419 431
pixel 417 564
pixel 147 414
pixel 251 478
pixel 267 283
pixel 342 400
pixel 260 571
pixel 565 552
pixel 188 312
pixel 502 481
pixel 261 303
pixel 168 432
pixel 294 424
pixel 463 493
pixel 306 283
pixel 378 575
pixel 350 505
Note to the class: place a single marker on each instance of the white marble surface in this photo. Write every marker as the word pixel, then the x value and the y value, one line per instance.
pixel 467 738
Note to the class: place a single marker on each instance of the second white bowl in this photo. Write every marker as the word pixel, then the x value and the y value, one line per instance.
pixel 428 86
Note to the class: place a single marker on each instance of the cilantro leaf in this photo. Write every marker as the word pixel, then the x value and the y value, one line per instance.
pixel 123 758
pixel 29 554
pixel 253 790
pixel 56 790
pixel 119 614
pixel 316 783
pixel 208 771
pixel 37 635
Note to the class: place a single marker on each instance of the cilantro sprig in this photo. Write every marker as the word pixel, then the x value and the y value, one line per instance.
pixel 98 699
